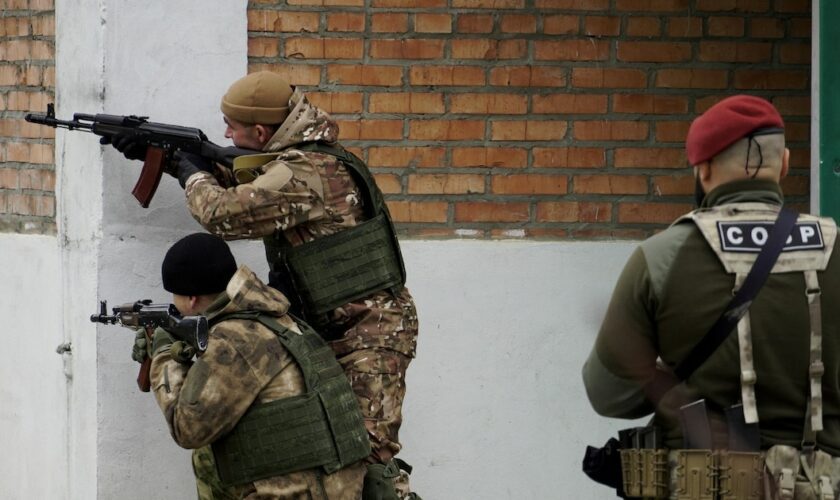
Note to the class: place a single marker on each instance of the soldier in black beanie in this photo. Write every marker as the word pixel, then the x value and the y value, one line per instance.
pixel 257 356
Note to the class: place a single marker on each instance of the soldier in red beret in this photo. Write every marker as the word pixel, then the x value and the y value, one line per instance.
pixel 716 328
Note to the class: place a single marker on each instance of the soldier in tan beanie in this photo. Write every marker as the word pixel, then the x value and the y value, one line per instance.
pixel 313 203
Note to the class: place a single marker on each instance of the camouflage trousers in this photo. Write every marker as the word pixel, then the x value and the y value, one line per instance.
pixel 377 376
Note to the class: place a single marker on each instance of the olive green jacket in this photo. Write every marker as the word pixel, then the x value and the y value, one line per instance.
pixel 671 291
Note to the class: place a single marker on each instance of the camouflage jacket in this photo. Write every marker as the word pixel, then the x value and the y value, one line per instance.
pixel 306 195
pixel 244 364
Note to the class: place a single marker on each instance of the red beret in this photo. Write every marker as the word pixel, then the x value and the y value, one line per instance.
pixel 726 122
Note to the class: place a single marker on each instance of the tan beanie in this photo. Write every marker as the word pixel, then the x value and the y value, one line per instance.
pixel 261 97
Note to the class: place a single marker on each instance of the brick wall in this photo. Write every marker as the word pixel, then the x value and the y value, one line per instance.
pixel 536 118
pixel 27 82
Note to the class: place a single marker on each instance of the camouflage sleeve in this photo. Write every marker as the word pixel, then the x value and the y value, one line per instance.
pixel 206 400
pixel 288 193
pixel 623 359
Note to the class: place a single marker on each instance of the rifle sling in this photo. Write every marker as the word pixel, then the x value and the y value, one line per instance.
pixel 735 310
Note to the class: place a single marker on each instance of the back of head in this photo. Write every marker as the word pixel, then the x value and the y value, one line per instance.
pixel 740 132
pixel 258 98
pixel 198 264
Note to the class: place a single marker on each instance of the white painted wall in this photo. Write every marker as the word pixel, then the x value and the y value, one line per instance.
pixel 495 406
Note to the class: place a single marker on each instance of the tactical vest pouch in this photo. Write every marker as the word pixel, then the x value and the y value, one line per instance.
pixel 322 428
pixel 696 474
pixel 740 475
pixel 345 266
pixel 644 473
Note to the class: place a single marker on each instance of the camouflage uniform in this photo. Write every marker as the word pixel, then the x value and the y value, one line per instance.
pixel 244 364
pixel 307 195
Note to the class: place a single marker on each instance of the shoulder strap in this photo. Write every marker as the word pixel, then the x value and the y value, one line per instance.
pixel 735 310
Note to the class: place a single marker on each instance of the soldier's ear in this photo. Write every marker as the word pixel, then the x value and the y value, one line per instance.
pixel 785 164
pixel 264 133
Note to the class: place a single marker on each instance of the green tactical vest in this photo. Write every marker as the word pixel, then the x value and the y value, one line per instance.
pixel 345 266
pixel 321 428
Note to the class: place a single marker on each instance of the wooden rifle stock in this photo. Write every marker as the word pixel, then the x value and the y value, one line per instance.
pixel 147 183
pixel 144 379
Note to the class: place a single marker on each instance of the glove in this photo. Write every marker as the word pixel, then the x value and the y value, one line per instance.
pixel 140 349
pixel 126 145
pixel 190 163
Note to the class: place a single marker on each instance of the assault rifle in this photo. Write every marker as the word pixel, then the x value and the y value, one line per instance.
pixel 143 314
pixel 162 141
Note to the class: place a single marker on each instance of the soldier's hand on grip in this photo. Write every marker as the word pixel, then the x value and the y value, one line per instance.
pixel 126 145
pixel 188 164
pixel 140 349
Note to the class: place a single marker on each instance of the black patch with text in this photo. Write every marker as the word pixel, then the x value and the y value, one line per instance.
pixel 750 237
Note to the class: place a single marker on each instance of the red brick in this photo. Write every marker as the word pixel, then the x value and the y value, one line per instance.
pixel 797 131
pixel 602 26
pixel 475 23
pixel 800 27
pixel 685 27
pixel 490 157
pixel 488 49
pixel 573 157
pixel 277 21
pixel 610 184
pixel 296 74
pixel 406 102
pixel 389 23
pixel 266 47
pixel 573 211
pixel 386 76
pixel 800 6
pixel 644 26
pixel 484 211
pixel 692 78
pixel 433 23
pixel 337 102
pixel 407 157
pixel 27 50
pixel 610 130
pixel 649 104
pixel 528 130
pixel 569 103
pixel 381 129
pixel 671 131
pixel 653 51
pixel 518 23
pixel 41 180
pixel 349 130
pixel 417 211
pixel 406 49
pixel 446 184
pixel 793 105
pixel 608 78
pixel 668 185
pixel 571 50
pixel 529 184
pixel 528 76
pixel 506 104
pixel 649 158
pixel 345 22
pixel 767 27
pixel 346 3
pixel 9 178
pixel 800 158
pixel 446 130
pixel 488 4
pixel 651 5
pixel 733 5
pixel 795 53
pixel 796 185
pixel 725 26
pixel 771 79
pixel 736 51
pixel 447 75
pixel 647 213
pixel 599 5
pixel 561 25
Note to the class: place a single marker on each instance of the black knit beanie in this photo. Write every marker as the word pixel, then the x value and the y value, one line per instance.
pixel 198 264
